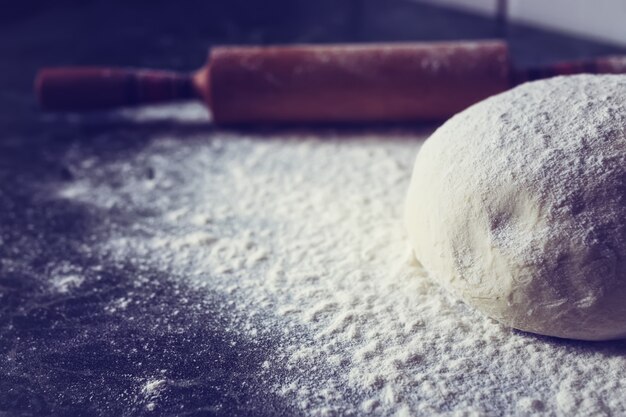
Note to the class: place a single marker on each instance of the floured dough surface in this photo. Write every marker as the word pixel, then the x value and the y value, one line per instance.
pixel 517 205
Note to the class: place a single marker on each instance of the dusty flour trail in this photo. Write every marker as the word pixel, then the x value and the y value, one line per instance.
pixel 302 231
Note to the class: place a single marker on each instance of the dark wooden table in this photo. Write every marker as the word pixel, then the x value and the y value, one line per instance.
pixel 63 353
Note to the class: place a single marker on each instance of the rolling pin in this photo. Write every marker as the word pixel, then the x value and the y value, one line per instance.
pixel 313 83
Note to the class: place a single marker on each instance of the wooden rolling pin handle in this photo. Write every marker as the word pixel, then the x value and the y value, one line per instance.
pixel 605 65
pixel 76 88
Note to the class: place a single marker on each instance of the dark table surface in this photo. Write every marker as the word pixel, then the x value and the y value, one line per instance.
pixel 64 353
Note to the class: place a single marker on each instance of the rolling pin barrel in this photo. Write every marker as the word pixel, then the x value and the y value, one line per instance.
pixel 354 83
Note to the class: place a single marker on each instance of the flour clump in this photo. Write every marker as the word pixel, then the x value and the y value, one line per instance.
pixel 517 205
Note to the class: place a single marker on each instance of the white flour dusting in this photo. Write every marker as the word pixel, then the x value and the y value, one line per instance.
pixel 151 391
pixel 303 232
pixel 65 277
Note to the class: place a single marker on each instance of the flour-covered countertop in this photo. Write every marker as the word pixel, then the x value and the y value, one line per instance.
pixel 152 264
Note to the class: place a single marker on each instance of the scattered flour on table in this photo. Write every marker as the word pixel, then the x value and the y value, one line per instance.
pixel 65 277
pixel 302 230
pixel 151 391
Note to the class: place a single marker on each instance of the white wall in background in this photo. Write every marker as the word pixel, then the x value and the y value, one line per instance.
pixel 598 19
pixel 483 7
pixel 603 20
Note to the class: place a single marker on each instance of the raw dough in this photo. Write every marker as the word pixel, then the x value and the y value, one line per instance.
pixel 517 205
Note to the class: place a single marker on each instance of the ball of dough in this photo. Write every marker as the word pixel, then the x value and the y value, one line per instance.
pixel 517 206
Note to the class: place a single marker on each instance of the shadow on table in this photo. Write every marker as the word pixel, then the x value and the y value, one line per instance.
pixel 83 335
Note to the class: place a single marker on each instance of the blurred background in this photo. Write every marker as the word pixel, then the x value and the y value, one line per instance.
pixel 177 35
pixel 55 350
pixel 113 32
